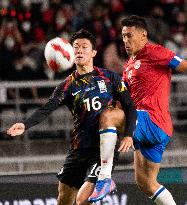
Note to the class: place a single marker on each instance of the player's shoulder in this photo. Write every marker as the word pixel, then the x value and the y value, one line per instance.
pixel 100 69
pixel 71 77
pixel 156 50
pixel 153 47
pixel 66 82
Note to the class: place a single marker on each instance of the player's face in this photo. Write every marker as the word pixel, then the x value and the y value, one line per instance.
pixel 84 52
pixel 134 39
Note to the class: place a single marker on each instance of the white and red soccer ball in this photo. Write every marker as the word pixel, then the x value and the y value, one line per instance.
pixel 59 54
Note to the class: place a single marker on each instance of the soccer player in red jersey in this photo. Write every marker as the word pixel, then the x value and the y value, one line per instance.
pixel 148 75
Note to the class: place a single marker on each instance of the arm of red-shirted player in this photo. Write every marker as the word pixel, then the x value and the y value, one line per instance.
pixel 161 55
pixel 182 67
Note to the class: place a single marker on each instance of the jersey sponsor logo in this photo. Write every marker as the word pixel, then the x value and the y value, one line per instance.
pixel 102 86
pixel 87 89
pixel 137 64
pixel 76 92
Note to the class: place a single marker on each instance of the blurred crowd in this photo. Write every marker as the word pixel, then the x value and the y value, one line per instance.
pixel 27 25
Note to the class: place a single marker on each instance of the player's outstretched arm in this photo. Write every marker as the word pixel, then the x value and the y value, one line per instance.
pixel 16 129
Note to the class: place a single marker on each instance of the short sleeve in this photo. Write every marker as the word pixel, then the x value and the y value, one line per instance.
pixel 161 56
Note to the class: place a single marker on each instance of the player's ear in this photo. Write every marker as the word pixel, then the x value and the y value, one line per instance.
pixel 94 53
pixel 144 33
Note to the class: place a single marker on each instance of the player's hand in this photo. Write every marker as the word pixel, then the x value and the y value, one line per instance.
pixel 126 144
pixel 16 129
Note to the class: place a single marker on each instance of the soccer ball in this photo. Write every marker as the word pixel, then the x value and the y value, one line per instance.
pixel 59 54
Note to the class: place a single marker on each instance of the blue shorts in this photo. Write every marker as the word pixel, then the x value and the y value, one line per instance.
pixel 149 138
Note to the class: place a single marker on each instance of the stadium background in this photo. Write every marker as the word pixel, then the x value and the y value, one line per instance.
pixel 28 164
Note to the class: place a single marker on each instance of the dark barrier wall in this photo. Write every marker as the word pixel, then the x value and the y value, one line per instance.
pixel 42 189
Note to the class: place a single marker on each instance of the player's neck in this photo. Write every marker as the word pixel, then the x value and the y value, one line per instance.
pixel 142 45
pixel 85 69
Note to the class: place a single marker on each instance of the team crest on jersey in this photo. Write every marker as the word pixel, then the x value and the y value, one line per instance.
pixel 102 86
pixel 127 68
pixel 137 64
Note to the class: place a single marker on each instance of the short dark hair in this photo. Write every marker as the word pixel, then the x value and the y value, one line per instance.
pixel 134 20
pixel 82 33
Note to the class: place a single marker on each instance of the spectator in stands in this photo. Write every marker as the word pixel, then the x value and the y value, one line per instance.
pixel 158 28
pixel 180 23
pixel 114 54
pixel 10 46
pixel 99 24
pixel 183 50
pixel 24 69
pixel 63 20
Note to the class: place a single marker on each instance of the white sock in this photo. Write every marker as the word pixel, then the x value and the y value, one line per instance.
pixel 108 138
pixel 163 197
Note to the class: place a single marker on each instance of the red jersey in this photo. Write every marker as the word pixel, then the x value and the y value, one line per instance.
pixel 148 75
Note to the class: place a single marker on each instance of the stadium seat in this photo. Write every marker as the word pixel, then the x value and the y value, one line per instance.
pixel 61 119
